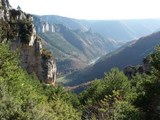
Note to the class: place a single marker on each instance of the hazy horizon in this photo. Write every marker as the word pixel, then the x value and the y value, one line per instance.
pixel 92 9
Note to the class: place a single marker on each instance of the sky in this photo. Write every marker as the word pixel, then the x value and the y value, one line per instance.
pixel 92 9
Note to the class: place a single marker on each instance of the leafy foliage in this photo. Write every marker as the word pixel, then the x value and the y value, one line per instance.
pixel 156 58
pixel 16 27
pixel 25 28
pixel 23 97
pixel 113 97
pixel 110 98
pixel 115 107
pixel 116 97
pixel 46 54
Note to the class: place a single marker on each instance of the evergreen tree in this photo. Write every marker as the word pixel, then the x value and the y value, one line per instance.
pixel 19 8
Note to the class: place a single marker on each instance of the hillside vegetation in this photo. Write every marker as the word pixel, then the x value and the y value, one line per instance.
pixel 130 54
pixel 74 49
pixel 23 97
pixel 113 97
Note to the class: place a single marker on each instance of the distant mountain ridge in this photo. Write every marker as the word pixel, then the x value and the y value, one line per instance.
pixel 76 43
pixel 119 30
pixel 131 54
pixel 125 30
pixel 68 22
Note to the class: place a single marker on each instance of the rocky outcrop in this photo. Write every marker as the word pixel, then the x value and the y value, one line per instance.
pixel 147 65
pixel 22 33
pixel 4 9
pixel 46 27
pixel 131 71
pixel 49 67
pixel 43 26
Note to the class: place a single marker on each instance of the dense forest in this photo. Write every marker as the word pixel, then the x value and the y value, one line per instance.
pixel 115 97
pixel 23 97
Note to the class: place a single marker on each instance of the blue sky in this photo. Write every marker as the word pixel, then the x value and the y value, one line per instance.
pixel 92 9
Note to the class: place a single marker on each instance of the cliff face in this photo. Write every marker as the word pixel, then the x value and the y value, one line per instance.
pixel 4 9
pixel 18 28
pixel 43 26
pixel 74 49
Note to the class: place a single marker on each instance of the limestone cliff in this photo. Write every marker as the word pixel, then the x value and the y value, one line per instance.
pixel 43 26
pixel 4 9
pixel 18 29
